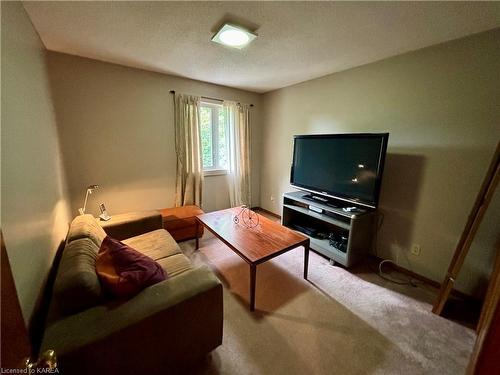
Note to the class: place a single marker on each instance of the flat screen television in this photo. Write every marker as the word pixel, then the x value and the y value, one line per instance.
pixel 347 167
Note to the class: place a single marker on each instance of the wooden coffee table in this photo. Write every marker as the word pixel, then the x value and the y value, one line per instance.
pixel 254 245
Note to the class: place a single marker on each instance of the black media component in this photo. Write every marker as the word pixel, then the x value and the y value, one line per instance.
pixel 307 230
pixel 338 241
pixel 311 231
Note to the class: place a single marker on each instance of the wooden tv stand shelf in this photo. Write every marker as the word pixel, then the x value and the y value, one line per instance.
pixel 357 227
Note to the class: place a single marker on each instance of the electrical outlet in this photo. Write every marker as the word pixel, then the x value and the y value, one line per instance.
pixel 272 198
pixel 415 249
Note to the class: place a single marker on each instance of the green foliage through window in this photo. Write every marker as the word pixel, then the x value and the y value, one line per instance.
pixel 206 137
pixel 214 136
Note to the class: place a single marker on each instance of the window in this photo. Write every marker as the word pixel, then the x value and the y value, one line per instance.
pixel 214 139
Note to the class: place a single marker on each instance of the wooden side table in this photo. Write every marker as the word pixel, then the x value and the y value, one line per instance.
pixel 180 222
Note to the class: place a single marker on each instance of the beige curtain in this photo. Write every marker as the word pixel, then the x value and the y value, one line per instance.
pixel 189 179
pixel 238 116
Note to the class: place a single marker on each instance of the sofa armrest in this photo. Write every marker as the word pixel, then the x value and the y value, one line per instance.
pixel 132 224
pixel 167 323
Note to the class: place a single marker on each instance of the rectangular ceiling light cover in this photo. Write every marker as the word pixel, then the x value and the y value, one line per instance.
pixel 233 36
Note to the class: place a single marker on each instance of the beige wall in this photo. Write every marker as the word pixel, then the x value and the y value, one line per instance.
pixel 441 106
pixel 116 126
pixel 35 210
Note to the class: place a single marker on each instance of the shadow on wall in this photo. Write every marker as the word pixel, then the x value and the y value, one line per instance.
pixel 400 196
pixel 121 139
pixel 427 194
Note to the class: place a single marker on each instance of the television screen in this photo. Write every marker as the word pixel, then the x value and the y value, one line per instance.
pixel 343 166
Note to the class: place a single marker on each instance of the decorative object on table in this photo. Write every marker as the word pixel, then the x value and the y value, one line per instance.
pixel 90 190
pixel 104 213
pixel 47 360
pixel 247 217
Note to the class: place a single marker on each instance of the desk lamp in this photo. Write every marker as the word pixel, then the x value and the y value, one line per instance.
pixel 90 190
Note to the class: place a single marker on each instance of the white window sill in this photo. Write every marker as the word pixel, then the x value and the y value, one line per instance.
pixel 214 172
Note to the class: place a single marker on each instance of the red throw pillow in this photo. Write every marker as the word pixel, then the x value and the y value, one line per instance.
pixel 123 271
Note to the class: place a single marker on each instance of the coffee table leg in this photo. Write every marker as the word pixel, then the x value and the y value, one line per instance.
pixel 306 259
pixel 197 236
pixel 253 274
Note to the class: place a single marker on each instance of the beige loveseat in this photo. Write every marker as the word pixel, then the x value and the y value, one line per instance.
pixel 158 331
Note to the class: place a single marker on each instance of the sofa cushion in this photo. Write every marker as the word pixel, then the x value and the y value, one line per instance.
pixel 123 271
pixel 156 244
pixel 175 264
pixel 77 286
pixel 86 226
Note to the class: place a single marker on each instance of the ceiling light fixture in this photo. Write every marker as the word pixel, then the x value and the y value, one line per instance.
pixel 233 36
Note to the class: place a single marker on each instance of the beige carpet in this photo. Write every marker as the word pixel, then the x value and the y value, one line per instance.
pixel 337 322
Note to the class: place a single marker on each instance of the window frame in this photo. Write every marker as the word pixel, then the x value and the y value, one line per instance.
pixel 216 169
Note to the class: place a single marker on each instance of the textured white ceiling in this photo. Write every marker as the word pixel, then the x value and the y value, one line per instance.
pixel 297 41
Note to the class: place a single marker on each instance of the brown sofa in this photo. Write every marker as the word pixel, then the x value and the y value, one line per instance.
pixel 159 331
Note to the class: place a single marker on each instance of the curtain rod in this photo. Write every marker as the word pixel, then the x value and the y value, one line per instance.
pixel 207 97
